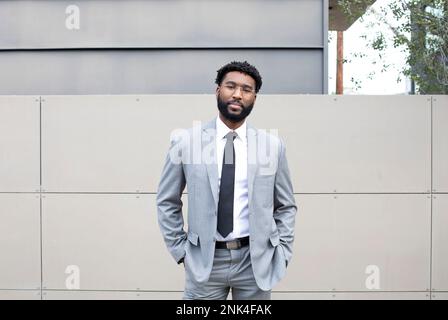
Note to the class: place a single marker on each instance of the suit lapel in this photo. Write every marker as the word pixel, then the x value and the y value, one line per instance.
pixel 251 159
pixel 209 150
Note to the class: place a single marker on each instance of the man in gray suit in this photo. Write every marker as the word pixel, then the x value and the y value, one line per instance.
pixel 241 209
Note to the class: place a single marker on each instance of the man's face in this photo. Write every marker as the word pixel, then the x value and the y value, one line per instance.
pixel 236 96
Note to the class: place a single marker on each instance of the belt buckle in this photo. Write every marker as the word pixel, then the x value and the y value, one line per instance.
pixel 233 245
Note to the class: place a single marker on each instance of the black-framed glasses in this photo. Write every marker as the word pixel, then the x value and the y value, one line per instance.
pixel 244 88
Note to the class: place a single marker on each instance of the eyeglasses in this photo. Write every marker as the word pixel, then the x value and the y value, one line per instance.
pixel 247 90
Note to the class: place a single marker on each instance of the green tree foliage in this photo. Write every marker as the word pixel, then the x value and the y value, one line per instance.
pixel 420 28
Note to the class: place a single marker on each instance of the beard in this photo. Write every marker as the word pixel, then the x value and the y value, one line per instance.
pixel 223 107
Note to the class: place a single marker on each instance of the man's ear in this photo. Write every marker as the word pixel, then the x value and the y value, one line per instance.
pixel 217 91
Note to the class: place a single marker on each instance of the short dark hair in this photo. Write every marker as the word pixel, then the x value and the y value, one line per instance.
pixel 244 67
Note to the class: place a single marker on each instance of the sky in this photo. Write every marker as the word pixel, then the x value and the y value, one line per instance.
pixel 359 68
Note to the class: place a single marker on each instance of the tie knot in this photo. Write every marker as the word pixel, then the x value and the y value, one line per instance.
pixel 231 135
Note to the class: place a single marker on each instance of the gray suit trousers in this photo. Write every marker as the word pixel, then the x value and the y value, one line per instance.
pixel 231 269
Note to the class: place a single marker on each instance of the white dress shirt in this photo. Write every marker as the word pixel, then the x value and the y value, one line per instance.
pixel 241 200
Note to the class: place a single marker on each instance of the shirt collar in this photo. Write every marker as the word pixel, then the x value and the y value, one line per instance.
pixel 222 129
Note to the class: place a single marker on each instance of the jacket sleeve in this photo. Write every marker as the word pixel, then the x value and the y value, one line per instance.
pixel 284 204
pixel 169 204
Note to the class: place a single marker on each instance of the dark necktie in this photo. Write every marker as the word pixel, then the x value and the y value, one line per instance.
pixel 227 188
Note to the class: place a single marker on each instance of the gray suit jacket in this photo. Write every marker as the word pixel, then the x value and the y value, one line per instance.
pixel 191 161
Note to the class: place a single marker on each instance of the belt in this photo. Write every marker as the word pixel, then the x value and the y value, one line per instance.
pixel 233 244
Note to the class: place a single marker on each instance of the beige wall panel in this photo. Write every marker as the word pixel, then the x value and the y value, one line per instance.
pixel 118 144
pixel 120 295
pixel 339 236
pixel 19 241
pixel 20 295
pixel 19 143
pixel 113 143
pixel 110 295
pixel 352 143
pixel 113 239
pixel 439 296
pixel 351 295
pixel 440 242
pixel 440 143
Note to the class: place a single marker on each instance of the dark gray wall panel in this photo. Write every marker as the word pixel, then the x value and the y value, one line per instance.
pixel 285 71
pixel 168 23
